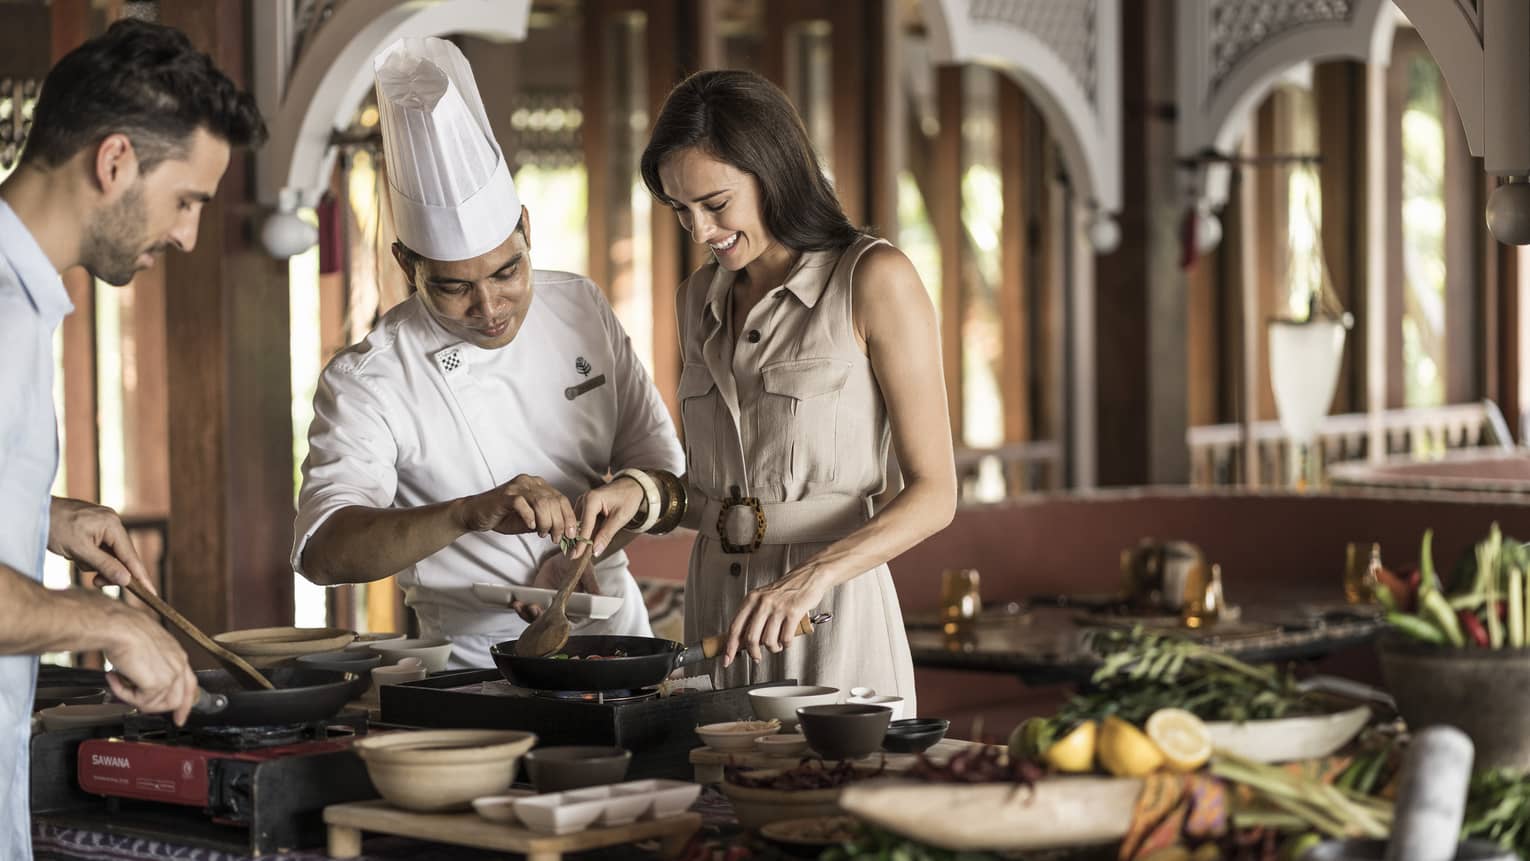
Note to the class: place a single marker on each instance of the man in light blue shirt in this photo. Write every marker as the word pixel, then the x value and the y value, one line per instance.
pixel 130 137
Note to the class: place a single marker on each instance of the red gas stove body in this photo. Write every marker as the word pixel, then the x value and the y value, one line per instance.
pixel 221 781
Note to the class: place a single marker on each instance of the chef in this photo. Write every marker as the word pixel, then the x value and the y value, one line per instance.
pixel 453 444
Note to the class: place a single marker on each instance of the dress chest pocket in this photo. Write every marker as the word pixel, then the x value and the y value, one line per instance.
pixel 796 422
pixel 699 406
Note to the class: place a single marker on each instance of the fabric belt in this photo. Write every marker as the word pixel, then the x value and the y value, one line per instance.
pixel 743 524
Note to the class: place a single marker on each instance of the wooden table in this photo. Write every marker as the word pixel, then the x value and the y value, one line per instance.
pixel 708 763
pixel 1047 645
pixel 347 822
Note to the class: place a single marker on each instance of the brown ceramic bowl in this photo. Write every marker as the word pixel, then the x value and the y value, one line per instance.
pixel 844 730
pixel 559 768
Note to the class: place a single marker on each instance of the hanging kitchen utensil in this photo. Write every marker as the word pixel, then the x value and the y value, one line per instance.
pixel 550 631
pixel 247 675
pixel 611 663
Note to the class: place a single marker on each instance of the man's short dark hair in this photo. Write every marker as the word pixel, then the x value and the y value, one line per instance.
pixel 143 80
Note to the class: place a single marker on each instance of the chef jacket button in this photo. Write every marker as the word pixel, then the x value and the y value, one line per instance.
pixel 754 336
pixel 735 569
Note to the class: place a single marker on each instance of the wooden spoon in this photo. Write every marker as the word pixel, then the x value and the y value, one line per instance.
pixel 549 632
pixel 247 676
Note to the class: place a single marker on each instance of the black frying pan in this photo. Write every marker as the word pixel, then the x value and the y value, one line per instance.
pixel 302 694
pixel 648 661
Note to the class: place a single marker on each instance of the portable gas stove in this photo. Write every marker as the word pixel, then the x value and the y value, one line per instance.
pixel 252 789
pixel 659 730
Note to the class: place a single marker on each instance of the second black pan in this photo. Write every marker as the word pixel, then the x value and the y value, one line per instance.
pixel 647 661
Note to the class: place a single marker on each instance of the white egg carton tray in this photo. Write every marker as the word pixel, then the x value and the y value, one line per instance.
pixel 602 806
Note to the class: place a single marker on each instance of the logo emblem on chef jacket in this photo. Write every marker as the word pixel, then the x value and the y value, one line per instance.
pixel 582 365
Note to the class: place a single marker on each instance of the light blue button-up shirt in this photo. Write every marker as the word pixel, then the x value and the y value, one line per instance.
pixel 32 304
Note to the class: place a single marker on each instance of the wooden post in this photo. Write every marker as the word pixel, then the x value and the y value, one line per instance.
pixel 945 208
pixel 594 133
pixel 664 71
pixel 229 387
pixel 1339 96
pixel 847 19
pixel 1014 380
pixel 884 117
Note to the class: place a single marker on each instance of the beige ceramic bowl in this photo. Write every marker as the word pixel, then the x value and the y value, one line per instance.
pixel 267 647
pixel 63 717
pixel 432 653
pixel 780 702
pixel 442 769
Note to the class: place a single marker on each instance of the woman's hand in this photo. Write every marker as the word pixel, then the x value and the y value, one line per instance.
pixel 605 510
pixel 770 614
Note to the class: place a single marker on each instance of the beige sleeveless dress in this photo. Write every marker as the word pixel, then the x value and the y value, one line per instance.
pixel 790 418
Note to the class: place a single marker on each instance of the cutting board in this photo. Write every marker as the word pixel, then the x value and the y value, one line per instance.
pixel 347 822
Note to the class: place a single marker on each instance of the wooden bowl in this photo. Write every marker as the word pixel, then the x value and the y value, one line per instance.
pixel 442 769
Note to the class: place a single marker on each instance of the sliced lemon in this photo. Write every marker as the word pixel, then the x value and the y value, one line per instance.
pixel 1126 751
pixel 1182 737
pixel 1074 752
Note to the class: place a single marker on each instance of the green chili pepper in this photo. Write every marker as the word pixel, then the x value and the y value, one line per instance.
pixel 1417 628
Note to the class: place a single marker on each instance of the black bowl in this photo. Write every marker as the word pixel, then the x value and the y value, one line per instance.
pixel 844 731
pixel 914 735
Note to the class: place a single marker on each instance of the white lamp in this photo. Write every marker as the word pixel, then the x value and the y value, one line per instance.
pixel 284 234
pixel 1304 371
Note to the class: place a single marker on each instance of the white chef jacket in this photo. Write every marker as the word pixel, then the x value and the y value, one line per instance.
pixel 32 304
pixel 412 415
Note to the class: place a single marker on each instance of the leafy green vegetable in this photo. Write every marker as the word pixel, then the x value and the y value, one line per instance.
pixel 1498 809
pixel 567 544
pixel 1143 672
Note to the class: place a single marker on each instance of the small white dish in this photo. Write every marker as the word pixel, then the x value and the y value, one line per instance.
pixel 433 653
pixel 364 642
pixel 406 670
pixel 784 744
pixel 501 808
pixel 736 735
pixel 555 813
pixel 581 605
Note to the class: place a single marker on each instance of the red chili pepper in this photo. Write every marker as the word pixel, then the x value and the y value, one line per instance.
pixel 1473 627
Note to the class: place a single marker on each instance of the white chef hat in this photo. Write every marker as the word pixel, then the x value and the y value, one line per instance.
pixel 452 195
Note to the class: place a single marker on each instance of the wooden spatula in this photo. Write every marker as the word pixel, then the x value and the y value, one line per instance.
pixel 247 676
pixel 549 632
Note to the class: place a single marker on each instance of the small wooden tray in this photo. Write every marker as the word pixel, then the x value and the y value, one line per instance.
pixel 707 764
pixel 347 822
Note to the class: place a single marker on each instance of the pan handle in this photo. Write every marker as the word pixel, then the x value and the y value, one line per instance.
pixel 209 703
pixel 711 647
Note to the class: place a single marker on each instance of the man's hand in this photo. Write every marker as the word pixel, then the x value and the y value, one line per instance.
pixel 149 668
pixel 605 510
pixel 93 537
pixel 526 503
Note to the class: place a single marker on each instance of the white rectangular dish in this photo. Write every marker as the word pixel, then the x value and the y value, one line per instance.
pixel 581 605
pixel 617 804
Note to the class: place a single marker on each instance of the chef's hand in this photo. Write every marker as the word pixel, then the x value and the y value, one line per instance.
pixel 770 614
pixel 149 668
pixel 525 503
pixel 604 510
pixel 551 574
pixel 93 537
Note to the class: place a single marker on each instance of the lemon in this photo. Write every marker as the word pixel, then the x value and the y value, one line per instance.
pixel 1125 751
pixel 1074 752
pixel 1183 739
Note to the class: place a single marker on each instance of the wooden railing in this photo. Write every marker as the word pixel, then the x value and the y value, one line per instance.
pixel 1217 451
pixel 1015 469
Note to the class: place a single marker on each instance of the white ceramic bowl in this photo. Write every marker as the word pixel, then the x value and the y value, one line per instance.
pixel 442 769
pixel 433 653
pixel 1288 739
pixel 897 704
pixel 581 605
pixel 736 735
pixel 784 744
pixel 407 670
pixel 67 716
pixel 780 702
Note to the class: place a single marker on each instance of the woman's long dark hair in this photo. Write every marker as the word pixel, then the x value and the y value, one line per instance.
pixel 746 121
